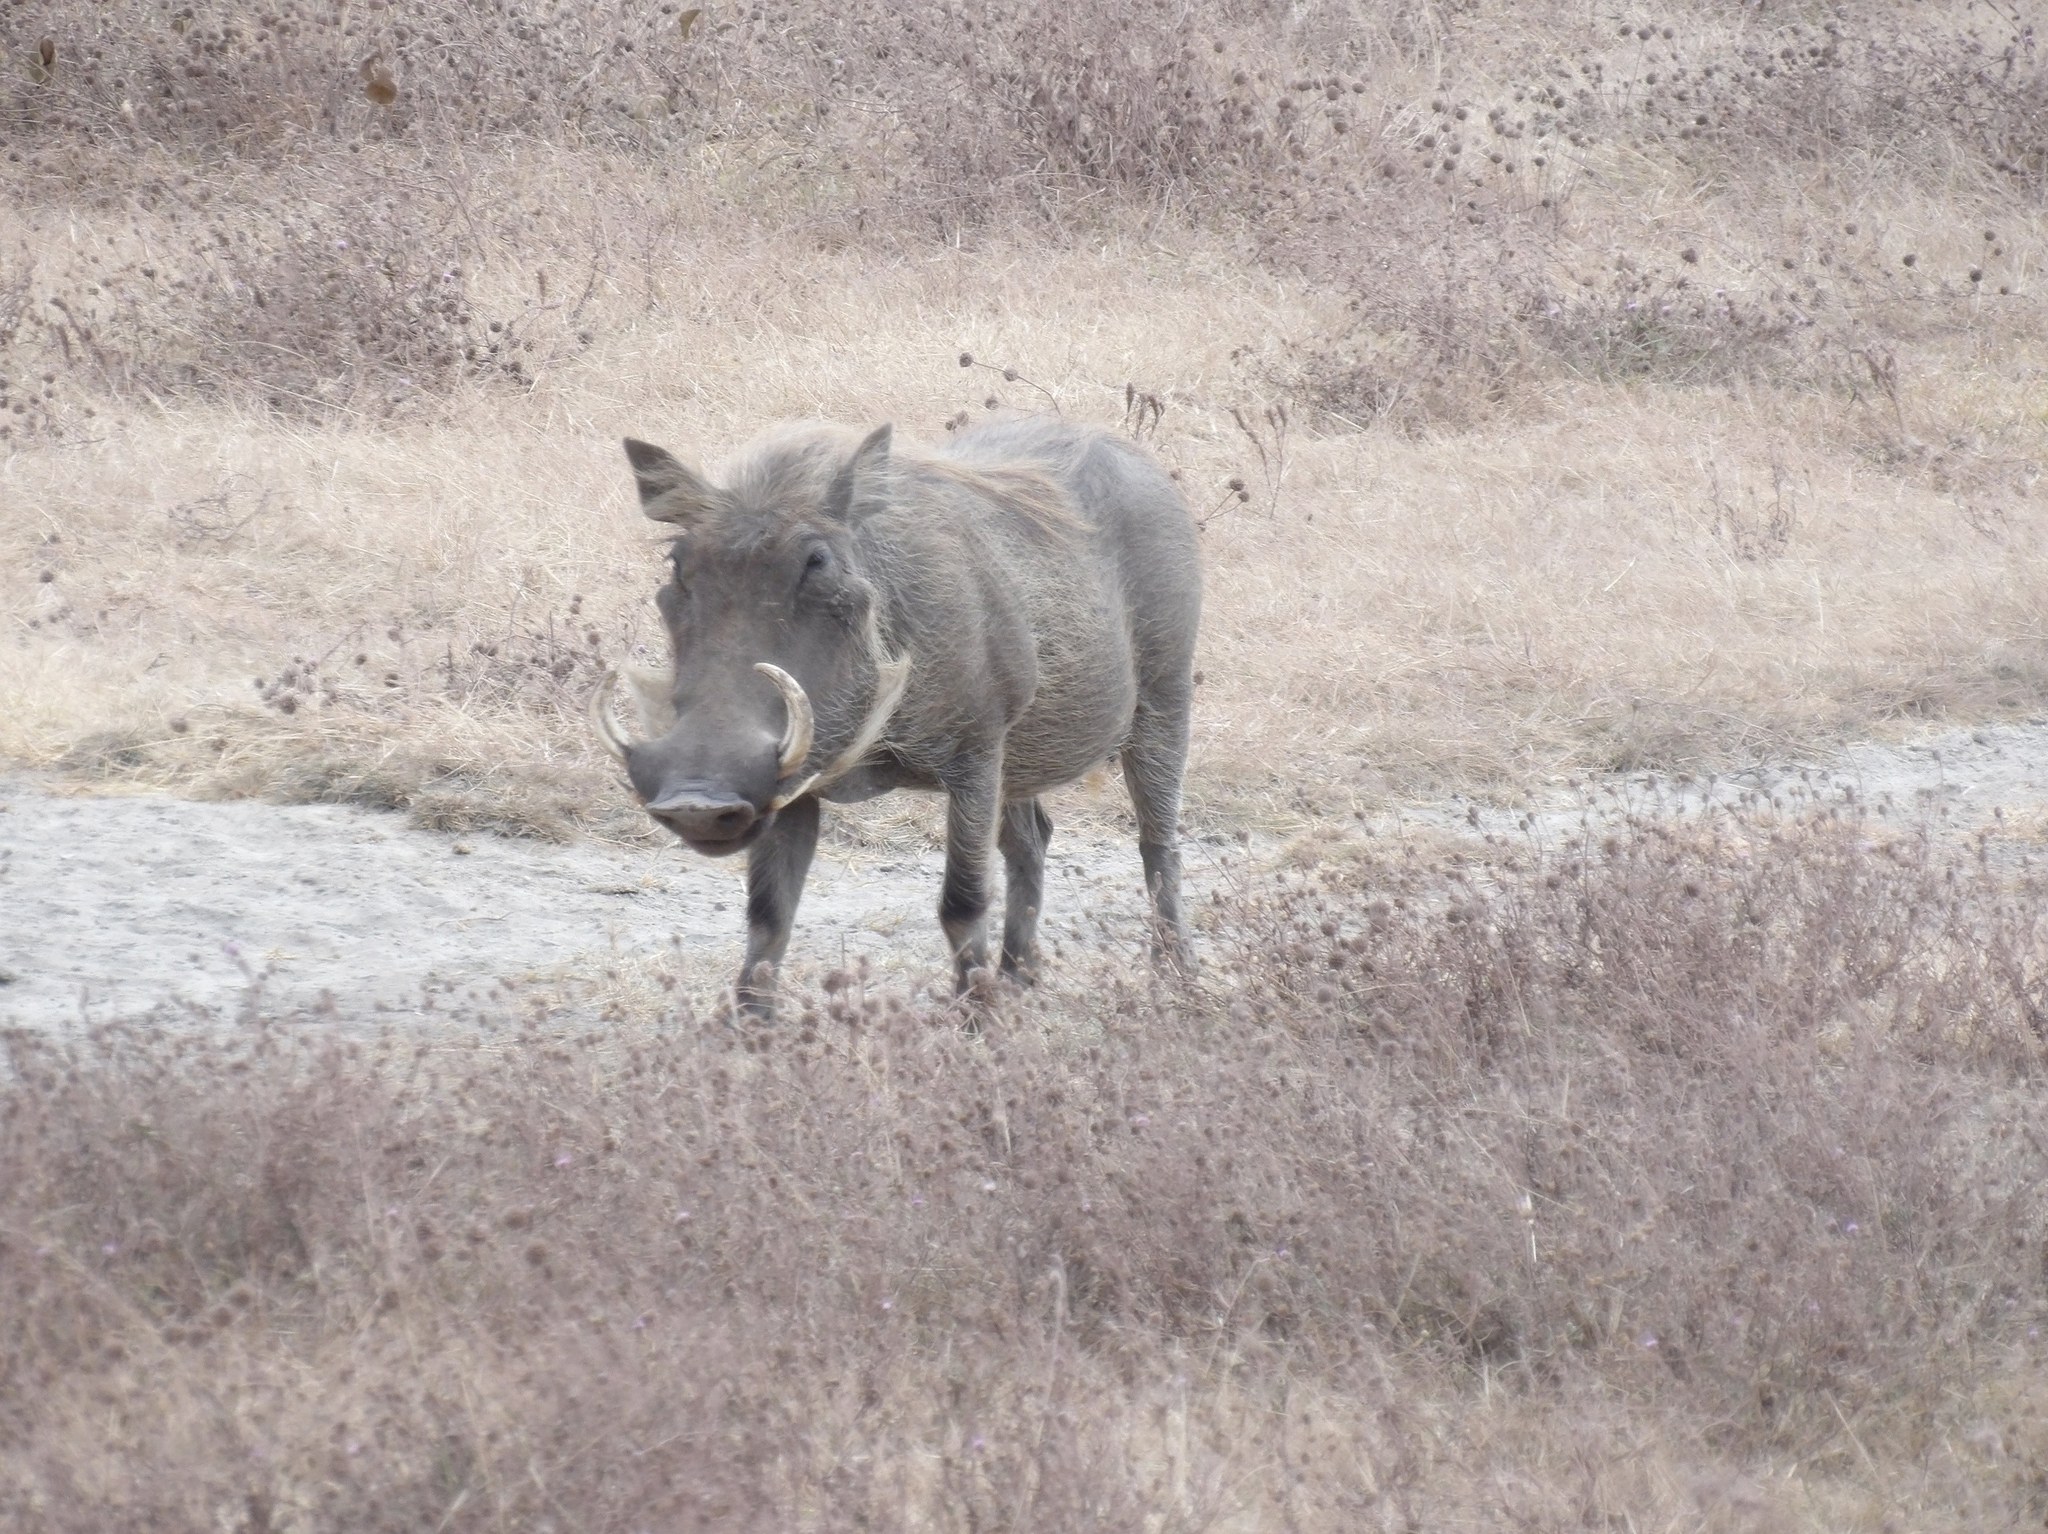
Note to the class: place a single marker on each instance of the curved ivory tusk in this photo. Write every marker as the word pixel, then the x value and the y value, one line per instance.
pixel 602 719
pixel 891 677
pixel 796 735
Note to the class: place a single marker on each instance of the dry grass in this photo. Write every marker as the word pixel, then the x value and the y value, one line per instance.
pixel 1656 453
pixel 1610 575
pixel 1685 1184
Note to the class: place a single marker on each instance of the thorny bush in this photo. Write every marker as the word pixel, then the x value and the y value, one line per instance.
pixel 1722 1124
pixel 1426 165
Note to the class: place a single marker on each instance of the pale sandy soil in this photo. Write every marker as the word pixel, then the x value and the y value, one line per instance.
pixel 122 903
pixel 118 904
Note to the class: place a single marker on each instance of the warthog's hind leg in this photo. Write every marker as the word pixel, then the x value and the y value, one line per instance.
pixel 776 866
pixel 1154 758
pixel 1026 830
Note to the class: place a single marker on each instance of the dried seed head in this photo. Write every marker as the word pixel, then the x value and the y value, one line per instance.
pixel 378 84
pixel 967 359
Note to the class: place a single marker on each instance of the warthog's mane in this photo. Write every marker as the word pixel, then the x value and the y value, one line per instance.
pixel 780 479
pixel 1027 490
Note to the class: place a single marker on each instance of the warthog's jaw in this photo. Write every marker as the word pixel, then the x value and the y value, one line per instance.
pixel 727 849
pixel 709 817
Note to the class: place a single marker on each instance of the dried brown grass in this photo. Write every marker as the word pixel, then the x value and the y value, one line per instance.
pixel 1620 578
pixel 1684 1181
pixel 291 371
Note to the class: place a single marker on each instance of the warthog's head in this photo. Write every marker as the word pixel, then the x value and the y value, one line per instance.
pixel 778 657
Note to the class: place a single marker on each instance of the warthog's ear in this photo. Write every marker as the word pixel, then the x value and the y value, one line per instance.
pixel 670 491
pixel 860 488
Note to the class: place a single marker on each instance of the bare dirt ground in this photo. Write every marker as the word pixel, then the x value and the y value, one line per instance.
pixel 117 905
pixel 121 904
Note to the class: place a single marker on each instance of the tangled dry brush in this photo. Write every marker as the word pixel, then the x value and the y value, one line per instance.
pixel 1419 159
pixel 1685 1178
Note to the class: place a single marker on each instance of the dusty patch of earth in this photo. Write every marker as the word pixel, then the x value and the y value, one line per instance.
pixel 1955 780
pixel 116 905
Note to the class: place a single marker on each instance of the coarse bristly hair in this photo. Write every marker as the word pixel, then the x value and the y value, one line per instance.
pixel 789 470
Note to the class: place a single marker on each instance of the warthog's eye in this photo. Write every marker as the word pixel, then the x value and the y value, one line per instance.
pixel 820 559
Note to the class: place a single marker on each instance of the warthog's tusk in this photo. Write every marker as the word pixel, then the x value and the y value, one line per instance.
pixel 891 677
pixel 648 686
pixel 796 735
pixel 601 718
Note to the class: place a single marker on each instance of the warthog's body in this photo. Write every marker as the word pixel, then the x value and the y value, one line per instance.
pixel 1039 582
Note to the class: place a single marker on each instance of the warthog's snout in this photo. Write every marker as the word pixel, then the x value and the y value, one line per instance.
pixel 709 819
pixel 719 774
pixel 716 778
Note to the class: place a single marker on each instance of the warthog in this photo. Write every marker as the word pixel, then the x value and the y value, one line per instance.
pixel 992 619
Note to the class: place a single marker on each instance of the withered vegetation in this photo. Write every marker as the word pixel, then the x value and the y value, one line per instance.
pixel 1688 1178
pixel 1728 314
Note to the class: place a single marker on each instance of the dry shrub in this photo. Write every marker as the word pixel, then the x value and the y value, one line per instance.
pixel 224 80
pixel 359 302
pixel 1213 102
pixel 1939 97
pixel 1453 173
pixel 331 728
pixel 1703 1149
pixel 315 321
pixel 1475 238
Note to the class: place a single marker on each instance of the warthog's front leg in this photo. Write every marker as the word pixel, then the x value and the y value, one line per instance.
pixel 776 866
pixel 973 791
